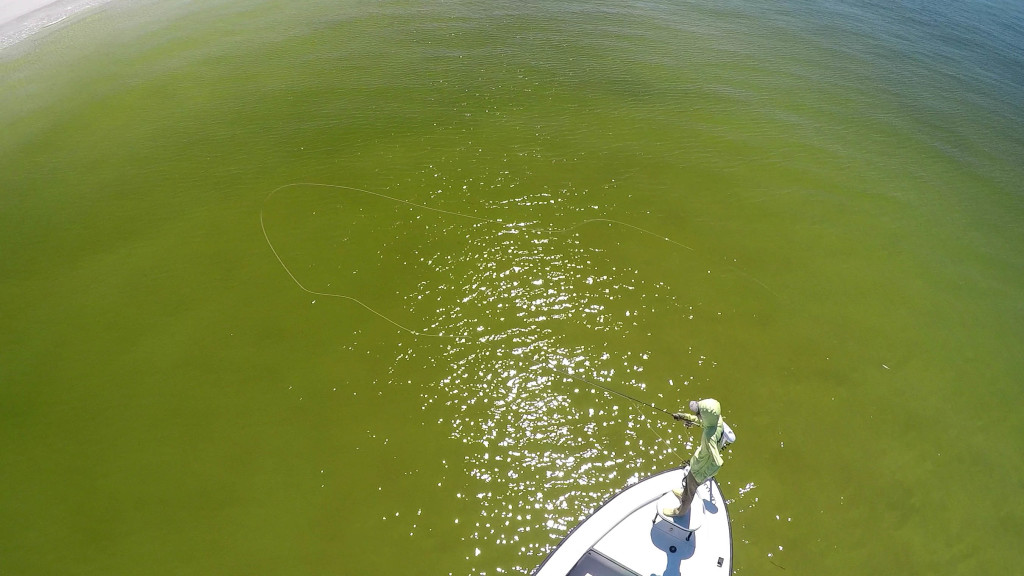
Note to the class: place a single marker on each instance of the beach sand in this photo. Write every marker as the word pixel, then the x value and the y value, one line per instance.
pixel 20 19
pixel 14 9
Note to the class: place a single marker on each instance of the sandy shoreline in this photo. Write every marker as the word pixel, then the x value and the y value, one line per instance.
pixel 20 19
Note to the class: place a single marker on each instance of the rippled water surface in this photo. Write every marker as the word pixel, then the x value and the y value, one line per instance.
pixel 341 287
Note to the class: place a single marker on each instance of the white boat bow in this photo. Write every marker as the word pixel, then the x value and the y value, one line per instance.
pixel 630 536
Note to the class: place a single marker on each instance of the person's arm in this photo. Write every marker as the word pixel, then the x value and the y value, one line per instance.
pixel 710 412
pixel 688 419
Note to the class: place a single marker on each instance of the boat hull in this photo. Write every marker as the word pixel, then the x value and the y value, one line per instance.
pixel 627 535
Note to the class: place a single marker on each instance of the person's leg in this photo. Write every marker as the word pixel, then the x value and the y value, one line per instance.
pixel 685 495
pixel 689 490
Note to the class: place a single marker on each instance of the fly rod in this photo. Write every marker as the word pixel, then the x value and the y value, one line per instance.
pixel 612 391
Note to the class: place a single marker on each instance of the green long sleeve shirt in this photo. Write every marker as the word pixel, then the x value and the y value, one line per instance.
pixel 707 459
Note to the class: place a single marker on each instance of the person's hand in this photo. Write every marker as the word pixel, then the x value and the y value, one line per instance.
pixel 677 416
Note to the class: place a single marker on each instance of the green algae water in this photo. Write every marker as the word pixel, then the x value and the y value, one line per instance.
pixel 811 211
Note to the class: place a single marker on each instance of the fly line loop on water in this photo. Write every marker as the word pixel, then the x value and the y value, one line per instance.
pixel 477 219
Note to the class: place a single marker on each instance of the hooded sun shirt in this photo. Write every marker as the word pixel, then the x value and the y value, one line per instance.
pixel 706 458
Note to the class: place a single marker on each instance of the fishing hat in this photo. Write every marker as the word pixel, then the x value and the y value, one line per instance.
pixel 693 407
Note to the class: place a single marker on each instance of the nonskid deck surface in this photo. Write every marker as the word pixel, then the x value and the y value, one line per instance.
pixel 627 536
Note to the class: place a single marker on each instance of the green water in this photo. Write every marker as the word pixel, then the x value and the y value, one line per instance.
pixel 817 213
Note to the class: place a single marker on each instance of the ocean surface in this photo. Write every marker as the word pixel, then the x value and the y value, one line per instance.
pixel 328 287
